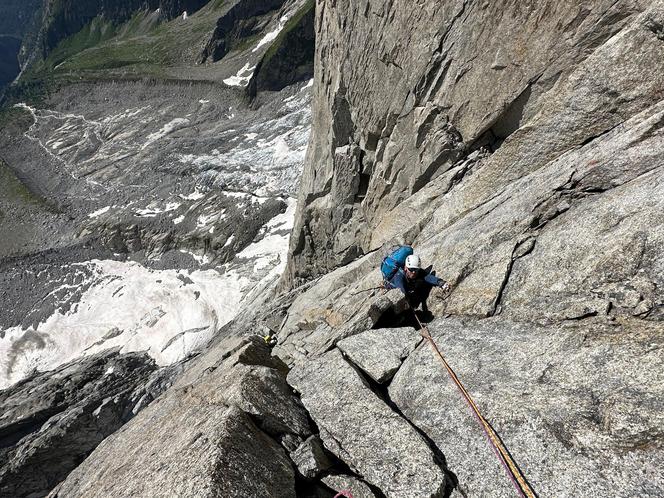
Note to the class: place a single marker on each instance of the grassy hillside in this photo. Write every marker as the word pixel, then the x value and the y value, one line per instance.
pixel 144 46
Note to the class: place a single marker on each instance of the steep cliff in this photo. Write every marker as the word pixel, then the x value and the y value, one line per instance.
pixel 516 145
pixel 16 19
pixel 290 58
pixel 404 95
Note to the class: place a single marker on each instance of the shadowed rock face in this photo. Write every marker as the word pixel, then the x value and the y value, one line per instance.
pixel 16 18
pixel 244 19
pixel 9 68
pixel 291 58
pixel 215 433
pixel 52 421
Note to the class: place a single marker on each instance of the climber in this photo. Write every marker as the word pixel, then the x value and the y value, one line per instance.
pixel 416 283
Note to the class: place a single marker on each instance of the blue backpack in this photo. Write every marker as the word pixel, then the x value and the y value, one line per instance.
pixel 394 260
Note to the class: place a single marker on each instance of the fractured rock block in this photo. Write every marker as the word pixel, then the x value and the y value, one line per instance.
pixel 393 300
pixel 360 429
pixel 310 458
pixel 380 352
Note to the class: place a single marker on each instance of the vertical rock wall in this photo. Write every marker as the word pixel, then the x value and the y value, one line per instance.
pixel 404 92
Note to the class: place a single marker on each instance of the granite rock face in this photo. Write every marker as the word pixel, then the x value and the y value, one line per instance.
pixel 403 95
pixel 360 429
pixel 214 433
pixel 518 148
pixel 578 406
pixel 310 458
pixel 52 421
pixel 379 352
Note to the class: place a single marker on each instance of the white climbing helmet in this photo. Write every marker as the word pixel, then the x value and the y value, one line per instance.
pixel 413 262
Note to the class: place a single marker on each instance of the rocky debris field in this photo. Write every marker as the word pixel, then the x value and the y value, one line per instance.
pixel 154 212
pixel 51 422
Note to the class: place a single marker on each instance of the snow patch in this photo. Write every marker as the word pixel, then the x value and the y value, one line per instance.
pixel 241 78
pixel 194 196
pixel 272 249
pixel 153 307
pixel 174 125
pixel 99 212
pixel 272 35
pixel 205 219
pixel 200 259
pixel 151 211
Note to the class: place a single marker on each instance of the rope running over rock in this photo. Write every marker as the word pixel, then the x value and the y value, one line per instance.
pixel 516 476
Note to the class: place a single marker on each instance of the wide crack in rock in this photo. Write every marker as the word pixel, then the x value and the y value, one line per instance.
pixel 360 429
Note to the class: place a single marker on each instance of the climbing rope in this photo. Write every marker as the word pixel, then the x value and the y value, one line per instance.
pixel 510 466
pixel 367 290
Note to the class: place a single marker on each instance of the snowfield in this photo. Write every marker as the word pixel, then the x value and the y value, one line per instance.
pixel 167 313
pixel 199 174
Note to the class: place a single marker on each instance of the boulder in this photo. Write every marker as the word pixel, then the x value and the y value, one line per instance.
pixel 220 453
pixel 380 352
pixel 262 392
pixel 212 434
pixel 50 422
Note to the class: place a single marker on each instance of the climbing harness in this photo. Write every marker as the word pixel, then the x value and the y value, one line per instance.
pixel 513 471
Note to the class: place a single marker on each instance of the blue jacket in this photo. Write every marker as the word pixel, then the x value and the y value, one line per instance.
pixel 399 281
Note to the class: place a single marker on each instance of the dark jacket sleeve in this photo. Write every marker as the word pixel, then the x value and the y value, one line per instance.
pixel 398 281
pixel 433 280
